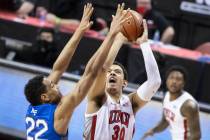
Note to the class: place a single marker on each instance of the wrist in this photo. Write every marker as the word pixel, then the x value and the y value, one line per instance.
pixel 80 30
pixel 120 40
pixel 111 34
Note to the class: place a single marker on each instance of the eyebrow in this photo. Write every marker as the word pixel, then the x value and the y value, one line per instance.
pixel 118 69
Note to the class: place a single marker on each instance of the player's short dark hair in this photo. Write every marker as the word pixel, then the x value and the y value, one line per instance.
pixel 178 68
pixel 33 90
pixel 123 68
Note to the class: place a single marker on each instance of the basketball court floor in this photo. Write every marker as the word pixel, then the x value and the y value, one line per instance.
pixel 13 107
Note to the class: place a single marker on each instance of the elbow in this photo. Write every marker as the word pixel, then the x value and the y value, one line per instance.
pixel 75 101
pixel 158 80
pixel 157 84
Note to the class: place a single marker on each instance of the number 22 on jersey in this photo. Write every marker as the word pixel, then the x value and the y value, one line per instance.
pixel 35 124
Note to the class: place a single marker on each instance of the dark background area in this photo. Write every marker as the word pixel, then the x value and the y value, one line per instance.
pixel 191 29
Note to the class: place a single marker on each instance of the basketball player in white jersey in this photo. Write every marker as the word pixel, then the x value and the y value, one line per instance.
pixel 110 115
pixel 180 110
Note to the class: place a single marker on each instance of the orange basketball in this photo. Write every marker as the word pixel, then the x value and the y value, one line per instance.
pixel 133 28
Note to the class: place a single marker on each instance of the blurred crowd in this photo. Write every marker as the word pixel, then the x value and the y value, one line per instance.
pixel 68 12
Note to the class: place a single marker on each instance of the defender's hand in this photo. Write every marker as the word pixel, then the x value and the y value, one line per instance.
pixel 85 22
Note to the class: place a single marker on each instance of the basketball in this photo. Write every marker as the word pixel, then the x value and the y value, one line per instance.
pixel 133 28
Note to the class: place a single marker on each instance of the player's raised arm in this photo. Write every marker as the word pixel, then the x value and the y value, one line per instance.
pixel 97 88
pixel 149 87
pixel 96 64
pixel 93 69
pixel 118 42
pixel 70 101
pixel 63 60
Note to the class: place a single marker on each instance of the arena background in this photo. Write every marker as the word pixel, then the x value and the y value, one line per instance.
pixel 192 28
pixel 13 105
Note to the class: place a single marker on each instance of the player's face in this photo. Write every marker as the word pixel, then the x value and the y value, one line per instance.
pixel 175 82
pixel 53 94
pixel 115 79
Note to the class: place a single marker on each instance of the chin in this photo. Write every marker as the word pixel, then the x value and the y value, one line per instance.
pixel 174 91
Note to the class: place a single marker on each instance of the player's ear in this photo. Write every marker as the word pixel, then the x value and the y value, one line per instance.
pixel 125 83
pixel 45 98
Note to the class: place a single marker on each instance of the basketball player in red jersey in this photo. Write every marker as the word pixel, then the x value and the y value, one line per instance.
pixel 180 110
pixel 110 114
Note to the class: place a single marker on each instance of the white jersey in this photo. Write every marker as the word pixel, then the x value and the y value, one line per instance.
pixel 172 112
pixel 112 122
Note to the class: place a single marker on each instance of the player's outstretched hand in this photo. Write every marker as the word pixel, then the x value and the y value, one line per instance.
pixel 118 19
pixel 85 22
pixel 147 134
pixel 144 37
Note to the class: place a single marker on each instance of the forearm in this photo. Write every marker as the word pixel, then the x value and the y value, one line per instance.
pixel 167 35
pixel 160 127
pixel 150 87
pixel 25 8
pixel 97 61
pixel 113 53
pixel 68 22
pixel 150 64
pixel 61 21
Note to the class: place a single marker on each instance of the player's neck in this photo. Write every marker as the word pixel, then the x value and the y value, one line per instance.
pixel 174 96
pixel 115 97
